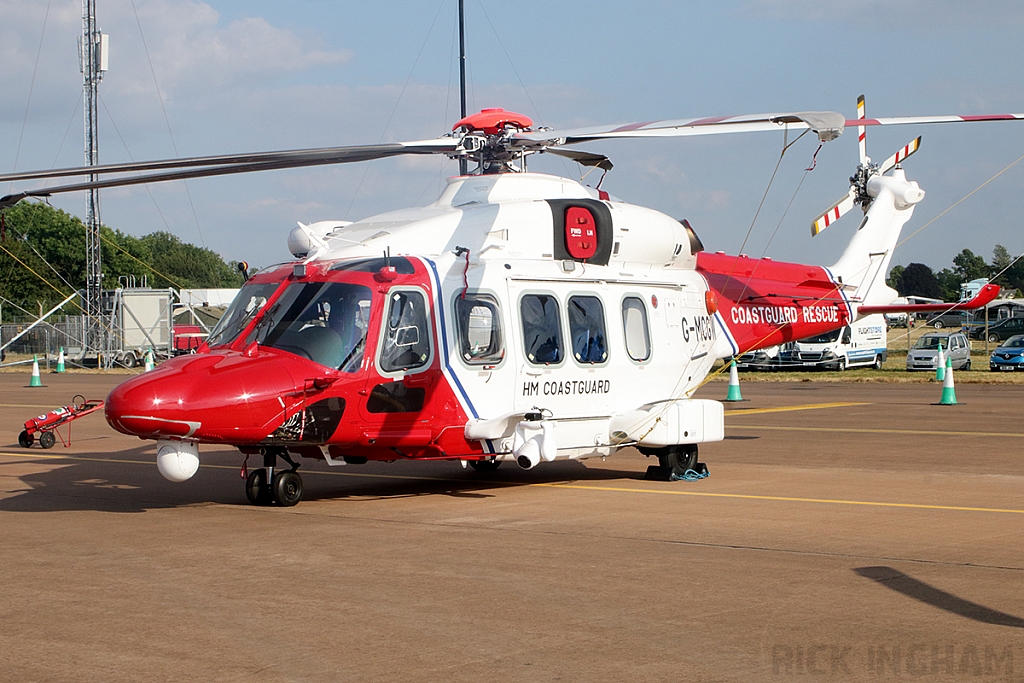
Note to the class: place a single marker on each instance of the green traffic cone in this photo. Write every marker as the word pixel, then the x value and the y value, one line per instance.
pixel 149 361
pixel 36 380
pixel 948 393
pixel 940 366
pixel 60 360
pixel 734 383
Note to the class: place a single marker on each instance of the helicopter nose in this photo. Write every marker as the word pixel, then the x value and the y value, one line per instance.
pixel 215 397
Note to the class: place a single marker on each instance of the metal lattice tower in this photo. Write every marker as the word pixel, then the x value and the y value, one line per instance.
pixel 93 59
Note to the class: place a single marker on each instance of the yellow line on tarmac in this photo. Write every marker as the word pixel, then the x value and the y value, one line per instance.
pixel 787 499
pixel 863 430
pixel 787 409
pixel 584 487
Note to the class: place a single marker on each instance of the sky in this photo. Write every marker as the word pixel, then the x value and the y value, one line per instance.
pixel 190 78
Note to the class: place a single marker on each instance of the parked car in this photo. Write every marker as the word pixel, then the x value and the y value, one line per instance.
pixel 925 353
pixel 1009 355
pixel 762 359
pixel 1000 331
pixel 896 319
pixel 951 319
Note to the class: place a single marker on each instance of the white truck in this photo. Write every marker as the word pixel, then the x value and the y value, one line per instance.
pixel 862 343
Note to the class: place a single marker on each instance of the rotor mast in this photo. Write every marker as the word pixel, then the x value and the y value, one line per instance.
pixel 92 51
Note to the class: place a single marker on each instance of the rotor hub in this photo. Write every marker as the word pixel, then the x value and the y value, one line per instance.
pixel 494 121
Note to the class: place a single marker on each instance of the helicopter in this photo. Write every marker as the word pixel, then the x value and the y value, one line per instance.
pixel 520 317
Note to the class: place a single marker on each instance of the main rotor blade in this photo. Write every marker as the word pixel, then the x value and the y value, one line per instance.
pixel 584 158
pixel 828 125
pixel 904 120
pixel 261 161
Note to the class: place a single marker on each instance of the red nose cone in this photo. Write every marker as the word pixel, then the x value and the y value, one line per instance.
pixel 216 397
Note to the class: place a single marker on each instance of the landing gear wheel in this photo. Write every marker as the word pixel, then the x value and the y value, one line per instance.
pixel 485 465
pixel 25 439
pixel 46 440
pixel 256 489
pixel 677 459
pixel 287 488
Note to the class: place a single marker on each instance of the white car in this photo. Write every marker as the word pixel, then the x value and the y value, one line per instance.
pixel 925 353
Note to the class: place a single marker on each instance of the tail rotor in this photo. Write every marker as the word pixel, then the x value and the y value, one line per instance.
pixel 858 192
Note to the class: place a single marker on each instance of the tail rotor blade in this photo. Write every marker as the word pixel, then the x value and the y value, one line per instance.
pixel 861 137
pixel 834 213
pixel 900 155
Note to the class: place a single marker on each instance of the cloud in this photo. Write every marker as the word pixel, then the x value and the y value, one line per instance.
pixel 192 51
pixel 191 48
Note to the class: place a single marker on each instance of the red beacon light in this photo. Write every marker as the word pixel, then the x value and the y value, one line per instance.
pixel 494 121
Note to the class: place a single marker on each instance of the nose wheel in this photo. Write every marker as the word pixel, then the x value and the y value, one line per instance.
pixel 264 486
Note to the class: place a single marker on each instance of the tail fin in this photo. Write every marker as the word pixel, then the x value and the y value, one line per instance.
pixel 864 264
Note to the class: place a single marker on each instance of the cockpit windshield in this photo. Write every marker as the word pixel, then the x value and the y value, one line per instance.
pixel 325 322
pixel 929 342
pixel 826 338
pixel 248 302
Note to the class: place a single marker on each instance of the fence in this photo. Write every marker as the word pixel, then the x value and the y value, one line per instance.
pixel 46 338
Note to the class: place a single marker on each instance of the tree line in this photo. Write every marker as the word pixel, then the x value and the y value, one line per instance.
pixel 917 279
pixel 43 260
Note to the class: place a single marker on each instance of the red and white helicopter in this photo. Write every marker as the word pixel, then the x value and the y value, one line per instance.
pixel 520 316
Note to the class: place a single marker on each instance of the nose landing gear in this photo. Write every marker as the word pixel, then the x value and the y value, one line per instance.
pixel 264 486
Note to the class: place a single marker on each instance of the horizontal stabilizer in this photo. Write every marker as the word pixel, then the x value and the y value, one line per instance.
pixel 987 294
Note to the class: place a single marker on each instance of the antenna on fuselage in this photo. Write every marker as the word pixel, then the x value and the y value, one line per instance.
pixel 463 164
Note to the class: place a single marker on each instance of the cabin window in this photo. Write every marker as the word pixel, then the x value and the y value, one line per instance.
pixel 406 333
pixel 479 325
pixel 587 330
pixel 634 324
pixel 542 333
pixel 324 322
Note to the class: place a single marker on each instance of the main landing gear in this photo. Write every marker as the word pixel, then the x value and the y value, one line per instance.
pixel 674 462
pixel 264 486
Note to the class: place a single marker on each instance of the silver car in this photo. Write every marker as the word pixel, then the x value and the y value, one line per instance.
pixel 926 351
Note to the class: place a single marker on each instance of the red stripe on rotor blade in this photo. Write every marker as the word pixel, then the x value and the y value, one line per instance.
pixel 990 117
pixel 632 126
pixel 862 122
pixel 837 212
pixel 709 120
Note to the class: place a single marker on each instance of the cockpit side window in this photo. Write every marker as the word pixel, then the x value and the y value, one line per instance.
pixel 325 322
pixel 479 325
pixel 406 344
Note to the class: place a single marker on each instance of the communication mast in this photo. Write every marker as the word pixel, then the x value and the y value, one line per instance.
pixel 93 55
